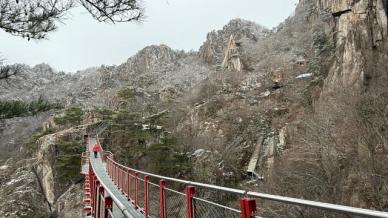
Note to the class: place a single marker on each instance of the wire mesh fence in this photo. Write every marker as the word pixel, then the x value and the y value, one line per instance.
pixel 140 193
pixel 132 187
pixel 154 198
pixel 282 210
pixel 208 209
pixel 175 203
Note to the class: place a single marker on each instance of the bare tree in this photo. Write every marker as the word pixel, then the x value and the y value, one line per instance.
pixel 34 19
pixel 6 71
pixel 9 70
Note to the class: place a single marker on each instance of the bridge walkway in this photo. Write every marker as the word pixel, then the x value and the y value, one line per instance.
pixel 100 170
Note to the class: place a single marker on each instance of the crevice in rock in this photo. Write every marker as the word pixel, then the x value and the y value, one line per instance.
pixel 339 13
pixel 385 4
pixel 41 188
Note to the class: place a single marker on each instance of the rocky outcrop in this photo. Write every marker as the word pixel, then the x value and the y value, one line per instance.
pixel 360 29
pixel 46 159
pixel 44 166
pixel 153 58
pixel 20 191
pixel 69 204
pixel 232 56
pixel 212 51
pixel 17 131
pixel 29 187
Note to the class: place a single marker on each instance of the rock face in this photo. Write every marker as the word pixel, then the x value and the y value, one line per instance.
pixel 361 28
pixel 69 204
pixel 153 59
pixel 20 191
pixel 232 56
pixel 30 187
pixel 46 159
pixel 44 167
pixel 21 126
pixel 212 51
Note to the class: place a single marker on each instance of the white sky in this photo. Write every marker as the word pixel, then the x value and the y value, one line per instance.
pixel 181 24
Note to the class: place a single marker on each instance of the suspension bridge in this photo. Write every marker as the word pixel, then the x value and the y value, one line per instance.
pixel 114 190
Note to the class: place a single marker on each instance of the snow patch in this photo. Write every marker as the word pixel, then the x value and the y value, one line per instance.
pixel 199 152
pixel 265 94
pixel 305 75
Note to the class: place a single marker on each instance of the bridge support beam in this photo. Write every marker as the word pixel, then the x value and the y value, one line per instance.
pixel 248 207
pixel 162 199
pixel 190 191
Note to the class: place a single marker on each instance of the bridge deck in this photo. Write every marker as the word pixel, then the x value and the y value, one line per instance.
pixel 99 169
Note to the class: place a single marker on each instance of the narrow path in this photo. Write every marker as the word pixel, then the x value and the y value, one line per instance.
pixel 100 170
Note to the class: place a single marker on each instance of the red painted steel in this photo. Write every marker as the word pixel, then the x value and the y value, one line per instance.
pixel 118 176
pixel 95 194
pixel 146 196
pixel 100 195
pixel 129 185
pixel 108 206
pixel 162 199
pixel 248 207
pixel 190 191
pixel 123 177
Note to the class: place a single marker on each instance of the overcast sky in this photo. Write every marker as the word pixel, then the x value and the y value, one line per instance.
pixel 181 24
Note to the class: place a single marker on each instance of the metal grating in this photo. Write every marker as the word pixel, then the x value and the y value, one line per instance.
pixel 175 203
pixel 154 194
pixel 140 193
pixel 208 209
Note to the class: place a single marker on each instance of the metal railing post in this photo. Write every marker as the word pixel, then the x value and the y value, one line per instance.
pixel 108 206
pixel 92 183
pixel 162 199
pixel 136 198
pixel 129 185
pixel 248 207
pixel 146 196
pixel 190 191
pixel 114 173
pixel 100 194
pixel 123 178
pixel 118 177
pixel 95 195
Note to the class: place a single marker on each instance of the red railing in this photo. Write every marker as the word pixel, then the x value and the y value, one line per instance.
pixel 98 202
pixel 156 200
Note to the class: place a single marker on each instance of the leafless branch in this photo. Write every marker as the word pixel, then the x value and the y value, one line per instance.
pixel 34 19
pixel 9 70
